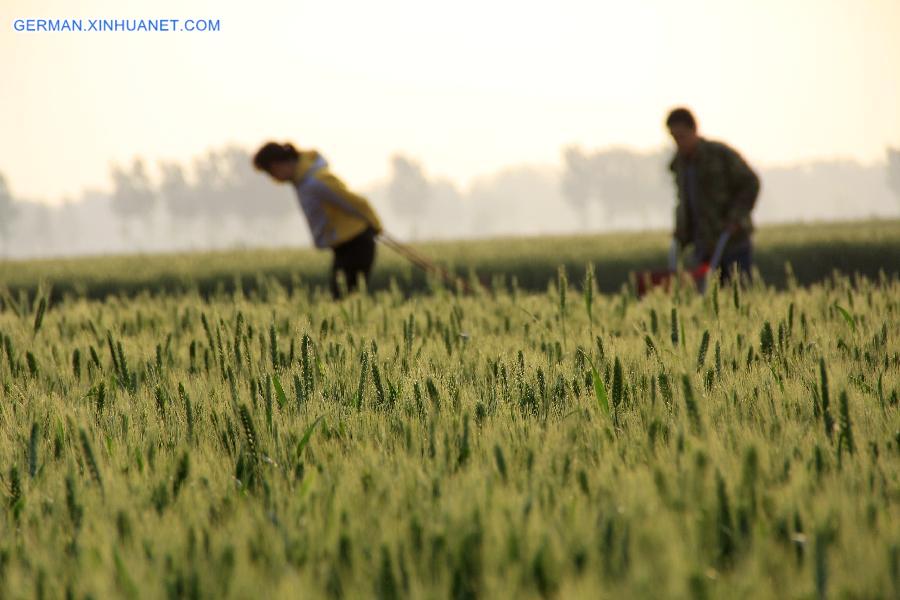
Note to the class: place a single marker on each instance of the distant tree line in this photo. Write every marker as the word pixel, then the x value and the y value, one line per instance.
pixel 618 181
pixel 222 184
pixel 219 200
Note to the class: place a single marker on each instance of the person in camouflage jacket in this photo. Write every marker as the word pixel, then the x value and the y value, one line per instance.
pixel 716 190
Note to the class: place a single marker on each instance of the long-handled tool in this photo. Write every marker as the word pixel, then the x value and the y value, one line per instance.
pixel 422 262
pixel 699 274
pixel 715 261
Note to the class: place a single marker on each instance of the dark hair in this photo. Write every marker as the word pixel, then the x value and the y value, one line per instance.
pixel 681 116
pixel 273 152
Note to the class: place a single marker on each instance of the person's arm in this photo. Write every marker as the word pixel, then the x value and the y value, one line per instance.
pixel 744 187
pixel 337 193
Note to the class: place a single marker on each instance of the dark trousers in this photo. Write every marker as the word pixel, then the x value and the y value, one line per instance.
pixel 352 259
pixel 740 258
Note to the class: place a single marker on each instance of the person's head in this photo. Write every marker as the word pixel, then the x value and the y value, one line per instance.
pixel 683 128
pixel 278 160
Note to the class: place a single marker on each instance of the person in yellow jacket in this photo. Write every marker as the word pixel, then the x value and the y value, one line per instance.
pixel 338 218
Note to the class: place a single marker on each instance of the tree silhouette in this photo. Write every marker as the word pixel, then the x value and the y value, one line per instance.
pixel 578 184
pixel 631 183
pixel 623 182
pixel 180 199
pixel 514 199
pixel 247 195
pixel 893 166
pixel 178 196
pixel 409 191
pixel 226 185
pixel 8 213
pixel 134 198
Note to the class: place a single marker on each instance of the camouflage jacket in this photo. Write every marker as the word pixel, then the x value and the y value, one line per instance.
pixel 725 192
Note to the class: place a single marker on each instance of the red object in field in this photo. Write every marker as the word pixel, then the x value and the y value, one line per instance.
pixel 648 280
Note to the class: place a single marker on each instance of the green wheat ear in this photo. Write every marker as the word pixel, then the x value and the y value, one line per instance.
pixel 33 441
pixel 465 449
pixel 845 436
pixel 714 297
pixel 76 511
pixel 827 419
pixel 249 433
pixel 76 363
pixel 690 402
pixel 618 385
pixel 386 584
pixel 589 292
pixel 701 353
pixel 767 341
pixel 33 368
pixel 89 459
pixel 665 388
pixel 273 346
pixel 500 461
pixel 651 347
pixel 181 474
pixel 724 525
pixel 39 314
pixel 674 334
pixel 307 359
pixel 188 412
pixel 15 500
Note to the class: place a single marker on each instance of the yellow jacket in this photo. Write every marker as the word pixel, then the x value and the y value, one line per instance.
pixel 335 214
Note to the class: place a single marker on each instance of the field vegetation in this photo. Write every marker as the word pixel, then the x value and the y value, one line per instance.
pixel 522 441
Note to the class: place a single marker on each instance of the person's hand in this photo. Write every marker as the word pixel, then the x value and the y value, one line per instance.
pixel 733 228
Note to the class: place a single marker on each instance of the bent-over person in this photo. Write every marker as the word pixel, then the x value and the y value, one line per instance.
pixel 338 219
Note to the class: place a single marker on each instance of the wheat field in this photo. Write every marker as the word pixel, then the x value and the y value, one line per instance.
pixel 500 444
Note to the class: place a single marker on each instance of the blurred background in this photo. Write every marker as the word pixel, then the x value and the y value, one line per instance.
pixel 458 120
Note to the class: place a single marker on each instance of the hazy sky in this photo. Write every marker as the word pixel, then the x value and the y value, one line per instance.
pixel 465 85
